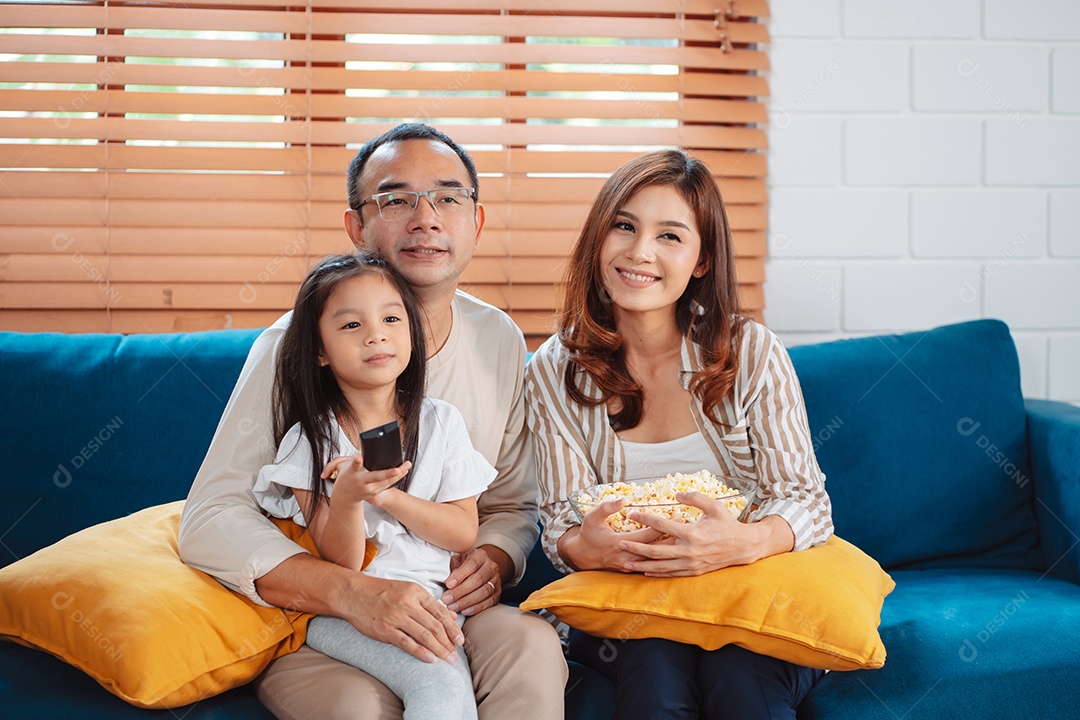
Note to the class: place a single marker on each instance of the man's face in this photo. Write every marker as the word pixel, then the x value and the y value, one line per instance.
pixel 430 249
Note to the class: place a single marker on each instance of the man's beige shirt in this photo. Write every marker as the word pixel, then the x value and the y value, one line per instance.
pixel 480 370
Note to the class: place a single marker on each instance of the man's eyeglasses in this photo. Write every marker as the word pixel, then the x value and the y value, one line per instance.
pixel 400 205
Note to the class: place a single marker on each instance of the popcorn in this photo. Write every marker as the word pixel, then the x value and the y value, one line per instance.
pixel 658 497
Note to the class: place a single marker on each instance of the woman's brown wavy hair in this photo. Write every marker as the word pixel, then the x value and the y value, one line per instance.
pixel 708 310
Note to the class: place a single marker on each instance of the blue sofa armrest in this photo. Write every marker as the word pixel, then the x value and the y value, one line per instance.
pixel 1053 430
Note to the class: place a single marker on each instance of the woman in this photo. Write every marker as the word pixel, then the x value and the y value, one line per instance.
pixel 653 371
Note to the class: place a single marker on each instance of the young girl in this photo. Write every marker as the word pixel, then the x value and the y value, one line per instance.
pixel 353 358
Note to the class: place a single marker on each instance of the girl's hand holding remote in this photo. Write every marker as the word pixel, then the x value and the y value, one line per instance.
pixel 360 484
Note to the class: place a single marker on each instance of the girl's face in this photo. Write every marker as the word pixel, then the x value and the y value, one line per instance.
pixel 651 252
pixel 365 333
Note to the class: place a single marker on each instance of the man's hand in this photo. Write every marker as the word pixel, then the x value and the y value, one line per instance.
pixel 404 614
pixel 475 581
pixel 395 611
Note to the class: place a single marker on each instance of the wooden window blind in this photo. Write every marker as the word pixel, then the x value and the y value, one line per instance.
pixel 174 167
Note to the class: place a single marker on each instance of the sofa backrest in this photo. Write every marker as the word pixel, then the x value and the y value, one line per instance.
pixel 93 427
pixel 922 437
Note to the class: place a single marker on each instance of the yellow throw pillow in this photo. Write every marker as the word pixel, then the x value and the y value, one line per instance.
pixel 116 601
pixel 820 607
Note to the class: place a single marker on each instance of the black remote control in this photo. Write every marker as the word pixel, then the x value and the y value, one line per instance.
pixel 381 446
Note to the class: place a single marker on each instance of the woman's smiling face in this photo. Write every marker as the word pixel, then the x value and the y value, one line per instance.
pixel 650 253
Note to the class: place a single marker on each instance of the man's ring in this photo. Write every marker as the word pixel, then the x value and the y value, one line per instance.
pixel 488 582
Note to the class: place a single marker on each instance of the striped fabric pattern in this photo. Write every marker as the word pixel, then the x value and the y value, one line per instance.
pixel 763 438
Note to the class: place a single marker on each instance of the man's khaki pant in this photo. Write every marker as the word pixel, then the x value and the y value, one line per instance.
pixel 516 660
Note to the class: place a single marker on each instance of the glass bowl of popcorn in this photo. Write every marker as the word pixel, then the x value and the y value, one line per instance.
pixel 657 496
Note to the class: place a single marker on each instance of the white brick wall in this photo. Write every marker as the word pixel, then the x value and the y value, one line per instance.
pixel 1065 224
pixel 805 18
pixel 1033 152
pixel 1064 358
pixel 978 223
pixel 967 78
pixel 1031 19
pixel 807 152
pixel 817 287
pixel 924 170
pixel 1032 349
pixel 1031 295
pixel 867 223
pixel 831 76
pixel 1065 80
pixel 908 296
pixel 911 19
pixel 911 150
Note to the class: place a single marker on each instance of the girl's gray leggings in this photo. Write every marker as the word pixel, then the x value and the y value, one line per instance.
pixel 428 691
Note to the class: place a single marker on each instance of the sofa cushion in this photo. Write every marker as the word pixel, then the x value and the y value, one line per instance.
pixel 1054 444
pixel 115 601
pixel 966 643
pixel 95 427
pixel 819 607
pixel 922 440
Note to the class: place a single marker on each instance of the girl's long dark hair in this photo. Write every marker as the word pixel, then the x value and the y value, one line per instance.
pixel 308 394
pixel 708 310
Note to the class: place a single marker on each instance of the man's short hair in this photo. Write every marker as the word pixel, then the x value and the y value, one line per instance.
pixel 405 131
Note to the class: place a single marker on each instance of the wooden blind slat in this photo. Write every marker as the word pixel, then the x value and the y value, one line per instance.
pixel 530 275
pixel 54 15
pixel 746 8
pixel 240 213
pixel 520 53
pixel 273 242
pixel 330 160
pixel 333 51
pixel 156 186
pixel 440 83
pixel 118 102
pixel 137 321
pixel 182 17
pixel 511 242
pixel 540 108
pixel 40 297
pixel 162 17
pixel 270 243
pixel 702 138
pixel 275 109
pixel 117 129
pixel 546 25
pixel 122 73
pixel 29 320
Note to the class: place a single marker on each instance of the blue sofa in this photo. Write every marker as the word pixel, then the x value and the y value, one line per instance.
pixel 936 466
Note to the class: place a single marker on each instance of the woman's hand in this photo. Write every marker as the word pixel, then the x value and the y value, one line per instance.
pixel 715 541
pixel 595 546
pixel 357 483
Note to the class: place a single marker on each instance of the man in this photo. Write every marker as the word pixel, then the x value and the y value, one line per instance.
pixel 476 362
